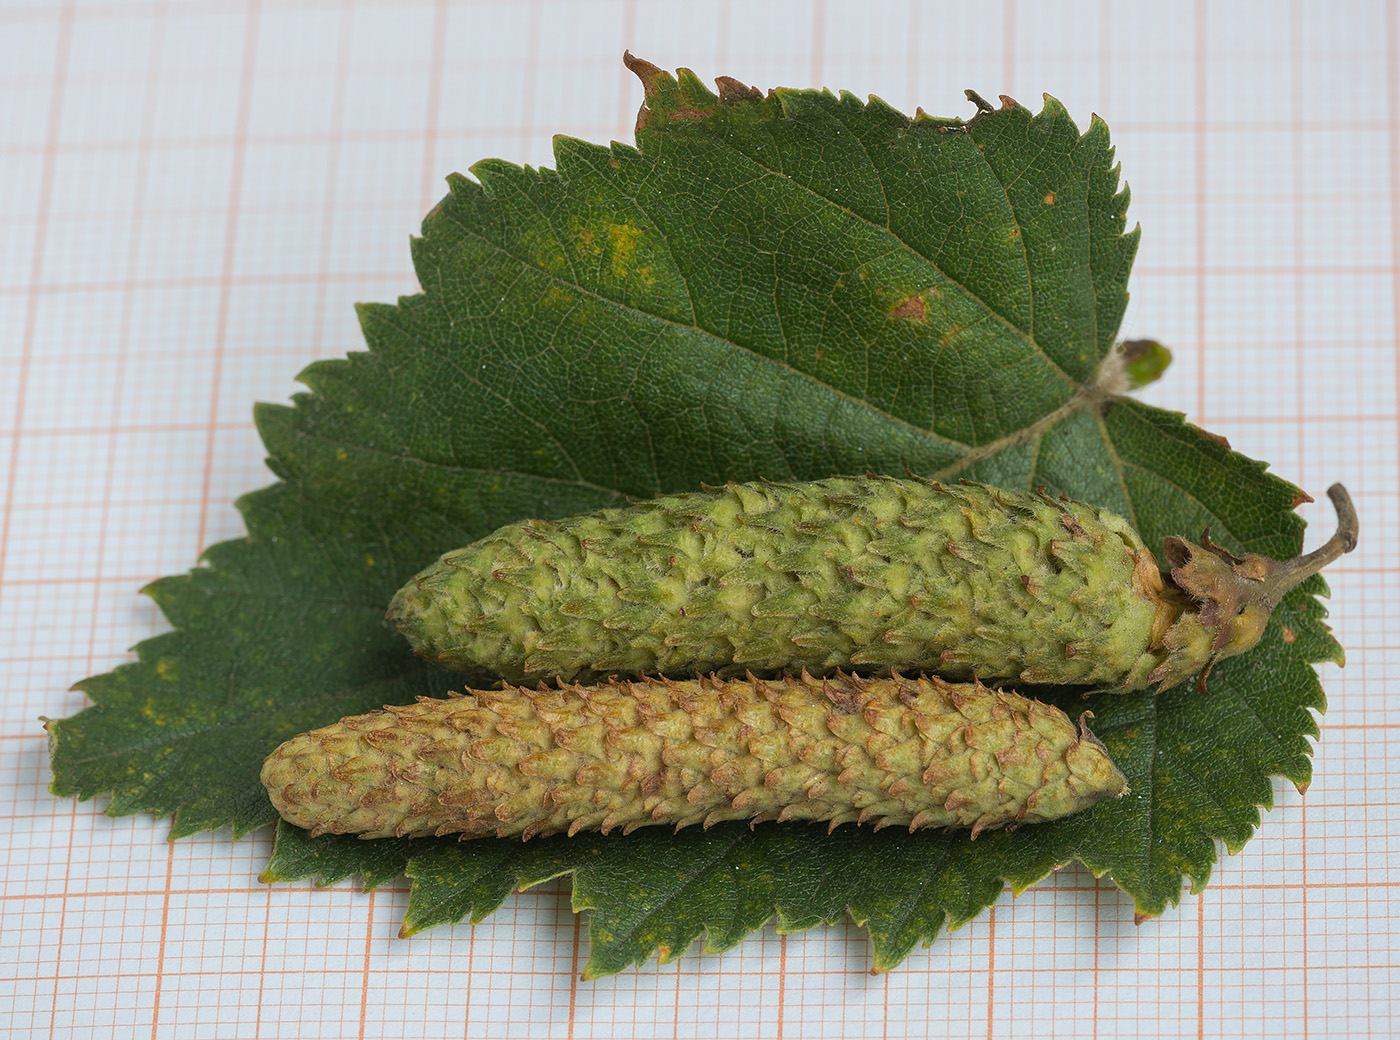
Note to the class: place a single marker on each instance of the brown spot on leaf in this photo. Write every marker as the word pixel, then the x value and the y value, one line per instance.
pixel 1049 198
pixel 691 113
pixel 1008 102
pixel 912 307
pixel 1289 635
pixel 731 89
pixel 1217 438
pixel 954 331
pixel 1301 498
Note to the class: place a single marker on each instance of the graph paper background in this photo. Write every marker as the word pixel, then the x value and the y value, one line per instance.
pixel 192 194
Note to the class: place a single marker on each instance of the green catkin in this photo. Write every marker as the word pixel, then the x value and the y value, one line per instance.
pixel 879 574
pixel 893 752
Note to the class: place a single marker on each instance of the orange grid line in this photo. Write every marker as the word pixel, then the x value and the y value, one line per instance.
pixel 245 90
pixel 574 948
pixel 524 132
pixel 540 891
pixel 158 8
pixel 1199 69
pixel 991 969
pixel 349 277
pixel 530 131
pixel 57 94
pixel 947 969
pixel 1200 967
pixel 437 63
pixel 364 974
pixel 1299 321
pixel 202 282
pixel 31 311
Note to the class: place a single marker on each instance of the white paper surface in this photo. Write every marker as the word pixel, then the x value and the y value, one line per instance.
pixel 194 193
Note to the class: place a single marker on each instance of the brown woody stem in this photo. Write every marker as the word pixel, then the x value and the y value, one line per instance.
pixel 1288 573
pixel 1234 595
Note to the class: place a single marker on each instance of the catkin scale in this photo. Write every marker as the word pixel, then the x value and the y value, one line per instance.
pixel 514 762
pixel 879 574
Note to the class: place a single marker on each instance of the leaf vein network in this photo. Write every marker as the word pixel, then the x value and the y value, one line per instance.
pixel 1018 333
pixel 671 322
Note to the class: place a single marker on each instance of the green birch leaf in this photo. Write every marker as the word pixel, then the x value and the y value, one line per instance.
pixel 790 286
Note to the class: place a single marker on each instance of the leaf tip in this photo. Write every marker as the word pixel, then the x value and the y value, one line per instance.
pixel 1050 106
pixel 650 75
pixel 693 88
pixel 732 90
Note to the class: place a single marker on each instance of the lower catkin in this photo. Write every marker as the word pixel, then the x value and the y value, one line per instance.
pixel 515 762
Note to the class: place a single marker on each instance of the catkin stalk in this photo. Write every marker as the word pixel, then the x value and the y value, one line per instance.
pixel 874 573
pixel 514 762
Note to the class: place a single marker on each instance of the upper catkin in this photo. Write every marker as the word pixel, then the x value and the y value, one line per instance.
pixel 907 752
pixel 873 573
